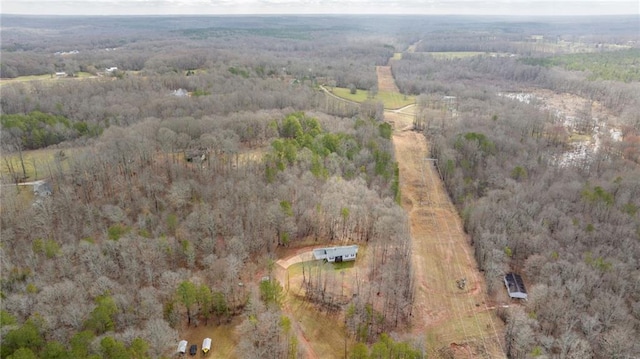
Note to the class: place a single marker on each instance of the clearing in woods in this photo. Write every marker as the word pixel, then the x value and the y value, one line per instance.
pixel 320 333
pixel 453 321
pixel 385 79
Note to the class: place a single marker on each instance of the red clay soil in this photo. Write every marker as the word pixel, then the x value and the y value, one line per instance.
pixel 449 318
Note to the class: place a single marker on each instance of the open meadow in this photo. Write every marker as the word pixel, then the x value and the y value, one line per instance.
pixel 391 100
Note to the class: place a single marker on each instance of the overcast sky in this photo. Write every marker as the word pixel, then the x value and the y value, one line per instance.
pixel 161 7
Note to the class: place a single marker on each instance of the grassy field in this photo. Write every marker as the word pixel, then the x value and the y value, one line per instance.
pixel 576 137
pixel 224 338
pixel 47 77
pixel 28 78
pixel 391 100
pixel 19 196
pixel 470 330
pixel 319 328
pixel 455 54
pixel 325 337
pixel 37 163
pixel 397 56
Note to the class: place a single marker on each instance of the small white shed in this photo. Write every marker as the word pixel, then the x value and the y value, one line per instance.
pixel 182 347
pixel 206 345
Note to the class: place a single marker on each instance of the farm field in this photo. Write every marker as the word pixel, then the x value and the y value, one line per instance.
pixel 47 77
pixel 37 163
pixel 456 54
pixel 391 100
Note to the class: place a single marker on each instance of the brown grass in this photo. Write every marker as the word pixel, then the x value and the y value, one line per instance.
pixel 223 338
pixel 320 333
pixel 385 79
pixel 444 315
pixel 38 163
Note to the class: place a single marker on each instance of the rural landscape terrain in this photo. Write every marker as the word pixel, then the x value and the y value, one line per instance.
pixel 168 178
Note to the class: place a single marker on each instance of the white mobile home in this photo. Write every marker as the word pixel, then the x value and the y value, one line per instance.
pixel 336 254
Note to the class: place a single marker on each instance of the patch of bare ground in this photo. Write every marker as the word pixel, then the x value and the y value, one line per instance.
pixel 291 257
pixel 451 319
pixel 224 338
pixel 385 79
pixel 571 105
pixel 315 327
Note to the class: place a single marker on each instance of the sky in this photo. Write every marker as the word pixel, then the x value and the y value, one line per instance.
pixel 202 7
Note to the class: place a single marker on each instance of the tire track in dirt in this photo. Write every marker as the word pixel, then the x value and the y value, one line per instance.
pixel 458 248
pixel 441 254
pixel 280 273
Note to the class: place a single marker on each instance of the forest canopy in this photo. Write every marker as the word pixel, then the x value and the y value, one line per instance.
pixel 178 147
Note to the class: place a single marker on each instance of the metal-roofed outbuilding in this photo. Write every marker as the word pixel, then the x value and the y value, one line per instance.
pixel 515 286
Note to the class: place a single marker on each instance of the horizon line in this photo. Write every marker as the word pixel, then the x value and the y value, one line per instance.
pixel 324 14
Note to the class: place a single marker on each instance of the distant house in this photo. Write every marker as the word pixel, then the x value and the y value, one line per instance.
pixel 111 69
pixel 336 254
pixel 180 93
pixel 515 286
pixel 61 74
pixel 42 189
pixel 197 156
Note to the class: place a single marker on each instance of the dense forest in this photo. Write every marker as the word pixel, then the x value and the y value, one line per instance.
pixel 165 190
pixel 572 228
pixel 186 146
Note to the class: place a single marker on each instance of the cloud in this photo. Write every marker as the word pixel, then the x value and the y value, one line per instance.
pixel 498 7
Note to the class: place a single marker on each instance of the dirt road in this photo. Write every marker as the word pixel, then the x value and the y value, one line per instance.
pixel 280 272
pixel 451 319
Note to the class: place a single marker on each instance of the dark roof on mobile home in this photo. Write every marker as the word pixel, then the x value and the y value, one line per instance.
pixel 515 286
